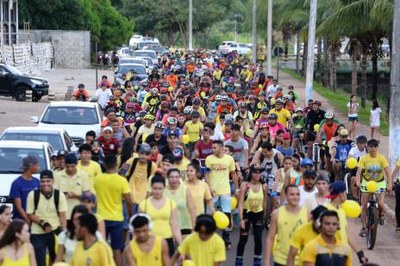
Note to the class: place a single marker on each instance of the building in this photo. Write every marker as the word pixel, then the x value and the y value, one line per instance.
pixel 8 22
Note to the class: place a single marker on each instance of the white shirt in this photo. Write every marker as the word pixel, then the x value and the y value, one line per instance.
pixel 375 117
pixel 306 195
pixel 103 96
pixel 356 153
pixel 272 90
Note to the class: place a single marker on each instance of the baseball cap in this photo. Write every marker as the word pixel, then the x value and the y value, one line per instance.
pixel 145 148
pixel 61 153
pixel 107 128
pixel 172 133
pixel 87 196
pixel 344 132
pixel 178 154
pixel 46 174
pixel 287 136
pixel 310 173
pixel 29 161
pixel 71 159
pixel 335 189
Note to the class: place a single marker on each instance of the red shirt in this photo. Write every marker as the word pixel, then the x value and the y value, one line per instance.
pixel 110 146
pixel 204 149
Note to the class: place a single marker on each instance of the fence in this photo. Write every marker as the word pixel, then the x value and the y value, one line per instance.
pixel 29 57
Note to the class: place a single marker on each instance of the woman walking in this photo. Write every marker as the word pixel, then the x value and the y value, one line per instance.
pixel 352 114
pixel 252 210
pixel 375 117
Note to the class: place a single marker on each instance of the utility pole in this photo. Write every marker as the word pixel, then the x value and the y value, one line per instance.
pixel 190 24
pixel 269 39
pixel 394 114
pixel 310 53
pixel 254 48
pixel 236 27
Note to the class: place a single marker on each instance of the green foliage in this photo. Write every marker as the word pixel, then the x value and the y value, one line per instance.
pixel 107 25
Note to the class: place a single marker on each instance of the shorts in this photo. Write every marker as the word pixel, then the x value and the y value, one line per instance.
pixel 114 230
pixel 223 202
pixel 135 209
pixel 381 186
pixel 353 118
pixel 186 231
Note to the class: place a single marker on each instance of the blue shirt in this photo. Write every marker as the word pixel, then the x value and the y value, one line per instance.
pixel 286 152
pixel 343 149
pixel 20 188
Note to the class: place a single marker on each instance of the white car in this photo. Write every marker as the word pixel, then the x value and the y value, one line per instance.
pixel 11 154
pixel 58 138
pixel 146 53
pixel 75 117
pixel 225 47
pixel 243 48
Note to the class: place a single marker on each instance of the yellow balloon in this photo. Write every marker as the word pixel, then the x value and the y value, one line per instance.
pixel 316 127
pixel 351 208
pixel 202 94
pixel 233 203
pixel 221 220
pixel 171 89
pixel 372 186
pixel 351 163
pixel 185 139
pixel 188 263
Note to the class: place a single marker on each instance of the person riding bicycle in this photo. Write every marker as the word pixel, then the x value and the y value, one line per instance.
pixel 373 167
pixel 261 138
pixel 340 151
pixel 284 115
pixel 299 125
pixel 357 152
pixel 314 117
pixel 274 126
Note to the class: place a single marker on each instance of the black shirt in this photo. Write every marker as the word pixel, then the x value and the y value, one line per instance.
pixel 314 118
pixel 161 143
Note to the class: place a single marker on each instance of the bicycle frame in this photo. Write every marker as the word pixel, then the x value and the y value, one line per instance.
pixel 372 221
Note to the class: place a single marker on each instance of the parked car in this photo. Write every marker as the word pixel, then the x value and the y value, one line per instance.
pixel 146 53
pixel 75 117
pixel 224 47
pixel 125 68
pixel 243 48
pixel 14 83
pixel 58 138
pixel 11 154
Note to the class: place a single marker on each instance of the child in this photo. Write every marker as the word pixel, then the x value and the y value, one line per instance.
pixel 155 155
pixel 352 107
pixel 374 118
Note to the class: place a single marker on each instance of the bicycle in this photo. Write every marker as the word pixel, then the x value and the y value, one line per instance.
pixel 372 221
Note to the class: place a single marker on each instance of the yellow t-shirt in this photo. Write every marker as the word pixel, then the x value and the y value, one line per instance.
pixel 287 225
pixel 110 190
pixel 283 115
pixel 219 175
pixel 146 131
pixel 153 258
pixel 199 192
pixel 339 254
pixel 98 254
pixel 78 184
pixel 193 130
pixel 139 180
pixel 303 234
pixel 203 253
pixel 23 261
pixel 374 167
pixel 182 167
pixel 93 170
pixel 46 211
pixel 201 111
pixel 342 220
pixel 161 217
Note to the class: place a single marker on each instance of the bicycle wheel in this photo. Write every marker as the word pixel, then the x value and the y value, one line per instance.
pixel 372 226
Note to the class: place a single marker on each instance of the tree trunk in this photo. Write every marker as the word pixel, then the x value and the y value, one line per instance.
pixel 354 70
pixel 303 68
pixel 298 53
pixel 364 86
pixel 334 67
pixel 375 77
pixel 325 80
pixel 331 56
pixel 319 43
pixel 286 50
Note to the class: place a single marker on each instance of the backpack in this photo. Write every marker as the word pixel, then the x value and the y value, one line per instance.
pixel 133 167
pixel 276 159
pixel 36 197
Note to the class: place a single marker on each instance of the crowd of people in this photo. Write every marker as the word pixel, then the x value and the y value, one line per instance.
pixel 202 132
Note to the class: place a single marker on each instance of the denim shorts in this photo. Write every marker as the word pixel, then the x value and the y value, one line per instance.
pixel 135 209
pixel 223 203
pixel 114 230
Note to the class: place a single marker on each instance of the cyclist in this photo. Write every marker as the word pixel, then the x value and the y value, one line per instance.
pixel 340 151
pixel 274 126
pixel 298 128
pixel 375 168
pixel 262 137
pixel 357 152
pixel 284 116
pixel 314 117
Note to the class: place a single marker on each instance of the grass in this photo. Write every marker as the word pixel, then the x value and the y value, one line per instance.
pixel 339 100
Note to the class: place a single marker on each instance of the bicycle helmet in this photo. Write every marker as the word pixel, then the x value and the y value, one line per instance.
pixel 172 120
pixel 149 117
pixel 229 117
pixel 187 110
pixel 262 93
pixel 242 104
pixel 263 125
pixel 159 124
pixel 329 114
pixel 154 91
pixel 142 113
pixel 224 97
pixel 298 109
pixel 264 110
pixel 306 162
pixel 279 100
pixel 361 139
pixel 218 98
pixel 273 116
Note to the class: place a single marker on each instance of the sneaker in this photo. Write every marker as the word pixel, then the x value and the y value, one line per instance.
pixel 381 220
pixel 397 229
pixel 363 232
pixel 239 261
pixel 257 261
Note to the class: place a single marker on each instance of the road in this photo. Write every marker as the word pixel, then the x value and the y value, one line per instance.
pixel 386 252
